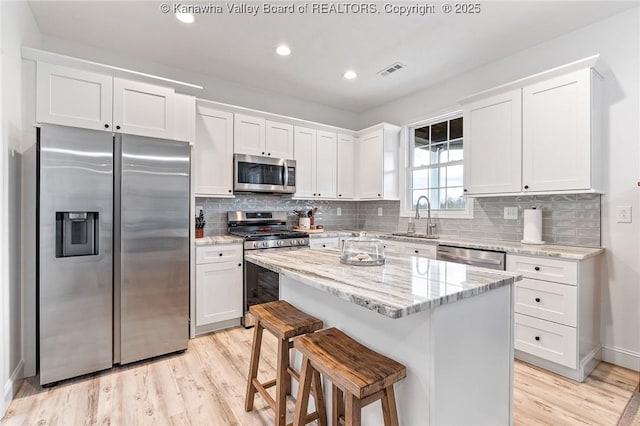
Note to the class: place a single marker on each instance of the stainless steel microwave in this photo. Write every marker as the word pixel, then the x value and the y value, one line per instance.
pixel 253 173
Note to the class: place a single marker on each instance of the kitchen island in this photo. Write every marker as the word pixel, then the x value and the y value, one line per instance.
pixel 450 324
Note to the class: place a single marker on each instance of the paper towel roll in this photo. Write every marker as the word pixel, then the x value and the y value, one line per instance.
pixel 532 226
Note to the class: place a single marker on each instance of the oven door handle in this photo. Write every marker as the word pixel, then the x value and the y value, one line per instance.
pixel 285 179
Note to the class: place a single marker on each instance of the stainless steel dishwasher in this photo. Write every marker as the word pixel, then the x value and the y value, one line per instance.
pixel 475 257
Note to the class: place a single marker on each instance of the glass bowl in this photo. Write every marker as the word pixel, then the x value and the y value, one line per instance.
pixel 362 251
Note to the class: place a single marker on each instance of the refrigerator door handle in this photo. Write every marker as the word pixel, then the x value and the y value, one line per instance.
pixel 117 244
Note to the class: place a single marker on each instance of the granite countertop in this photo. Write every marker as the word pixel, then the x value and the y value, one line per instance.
pixel 219 239
pixel 511 247
pixel 403 286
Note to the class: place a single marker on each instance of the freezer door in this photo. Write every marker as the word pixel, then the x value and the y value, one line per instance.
pixel 75 285
pixel 154 247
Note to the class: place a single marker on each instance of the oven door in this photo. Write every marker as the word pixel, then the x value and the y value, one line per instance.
pixel 260 286
pixel 253 173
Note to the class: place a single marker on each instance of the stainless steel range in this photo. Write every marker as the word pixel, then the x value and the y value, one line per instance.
pixel 263 231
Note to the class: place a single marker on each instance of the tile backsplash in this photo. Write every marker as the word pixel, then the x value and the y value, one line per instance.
pixel 572 219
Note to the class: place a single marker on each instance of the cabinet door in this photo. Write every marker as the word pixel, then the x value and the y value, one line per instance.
pixel 326 151
pixel 218 292
pixel 279 140
pixel 212 163
pixel 345 167
pixel 184 123
pixel 305 147
pixel 370 166
pixel 492 144
pixel 143 109
pixel 249 135
pixel 73 97
pixel 557 133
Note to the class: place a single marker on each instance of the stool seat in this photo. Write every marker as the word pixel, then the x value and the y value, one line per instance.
pixel 359 376
pixel 283 320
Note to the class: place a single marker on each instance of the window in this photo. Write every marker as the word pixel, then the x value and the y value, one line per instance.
pixel 435 159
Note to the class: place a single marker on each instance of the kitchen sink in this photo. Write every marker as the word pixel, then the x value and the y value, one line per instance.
pixel 415 235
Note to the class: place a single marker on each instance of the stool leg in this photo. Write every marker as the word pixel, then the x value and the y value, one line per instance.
pixel 337 402
pixel 318 397
pixel 253 366
pixel 304 387
pixel 281 385
pixel 389 410
pixel 353 411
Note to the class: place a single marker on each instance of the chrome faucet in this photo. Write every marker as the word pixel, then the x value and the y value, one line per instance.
pixel 430 226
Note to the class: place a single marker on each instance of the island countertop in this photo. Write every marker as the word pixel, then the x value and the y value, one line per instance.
pixel 403 286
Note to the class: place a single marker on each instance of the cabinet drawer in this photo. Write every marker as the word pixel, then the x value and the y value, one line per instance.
pixel 218 253
pixel 420 250
pixel 546 300
pixel 318 243
pixel 553 342
pixel 560 271
pixel 391 247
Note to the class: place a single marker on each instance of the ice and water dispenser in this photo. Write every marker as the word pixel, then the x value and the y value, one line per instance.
pixel 76 234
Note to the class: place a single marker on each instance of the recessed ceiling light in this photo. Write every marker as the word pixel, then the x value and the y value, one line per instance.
pixel 187 18
pixel 283 50
pixel 350 74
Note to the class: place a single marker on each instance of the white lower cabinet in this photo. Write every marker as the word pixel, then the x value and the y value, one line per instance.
pixel 392 247
pixel 218 287
pixel 557 313
pixel 419 250
pixel 326 242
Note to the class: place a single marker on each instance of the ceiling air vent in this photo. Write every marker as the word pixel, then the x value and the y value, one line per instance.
pixel 391 69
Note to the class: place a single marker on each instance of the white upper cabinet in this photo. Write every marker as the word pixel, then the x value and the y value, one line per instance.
pixel 326 163
pixel 249 135
pixel 305 148
pixel 557 134
pixel 540 137
pixel 492 144
pixel 346 165
pixel 377 163
pixel 143 109
pixel 315 155
pixel 73 97
pixel 279 140
pixel 257 136
pixel 78 98
pixel 212 160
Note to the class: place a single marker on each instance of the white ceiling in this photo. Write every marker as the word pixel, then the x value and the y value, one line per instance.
pixel 240 48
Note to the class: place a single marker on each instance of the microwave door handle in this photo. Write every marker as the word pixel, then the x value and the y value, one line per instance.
pixel 286 174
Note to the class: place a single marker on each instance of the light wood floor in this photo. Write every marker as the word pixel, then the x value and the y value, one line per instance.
pixel 206 386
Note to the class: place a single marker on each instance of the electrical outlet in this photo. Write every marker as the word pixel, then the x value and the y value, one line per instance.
pixel 623 214
pixel 511 213
pixel 198 208
pixel 379 211
pixel 339 211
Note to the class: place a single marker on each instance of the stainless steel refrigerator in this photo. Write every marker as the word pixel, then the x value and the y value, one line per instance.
pixel 113 249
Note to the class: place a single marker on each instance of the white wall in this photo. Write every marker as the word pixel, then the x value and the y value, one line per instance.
pixel 17 28
pixel 617 40
pixel 215 89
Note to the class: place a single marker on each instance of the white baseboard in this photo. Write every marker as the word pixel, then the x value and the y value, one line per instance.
pixel 11 387
pixel 622 357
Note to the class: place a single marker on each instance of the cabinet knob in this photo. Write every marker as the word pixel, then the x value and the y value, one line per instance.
pixel 537 338
pixel 239 264
pixel 416 251
pixel 536 268
pixel 538 299
pixel 339 195
pixel 263 153
pixel 106 126
pixel 117 127
pixel 319 194
pixel 324 245
pixel 465 190
pixel 314 195
pixel 229 191
pixel 526 187
pixel 219 254
pixel 379 195
pixel 268 153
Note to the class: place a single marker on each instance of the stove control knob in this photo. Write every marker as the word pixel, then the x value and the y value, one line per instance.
pixel 254 245
pixel 279 243
pixel 294 242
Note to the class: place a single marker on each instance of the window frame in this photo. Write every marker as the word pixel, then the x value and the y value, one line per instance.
pixel 406 188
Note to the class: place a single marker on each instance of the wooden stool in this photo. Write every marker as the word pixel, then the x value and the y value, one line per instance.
pixel 362 375
pixel 284 322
